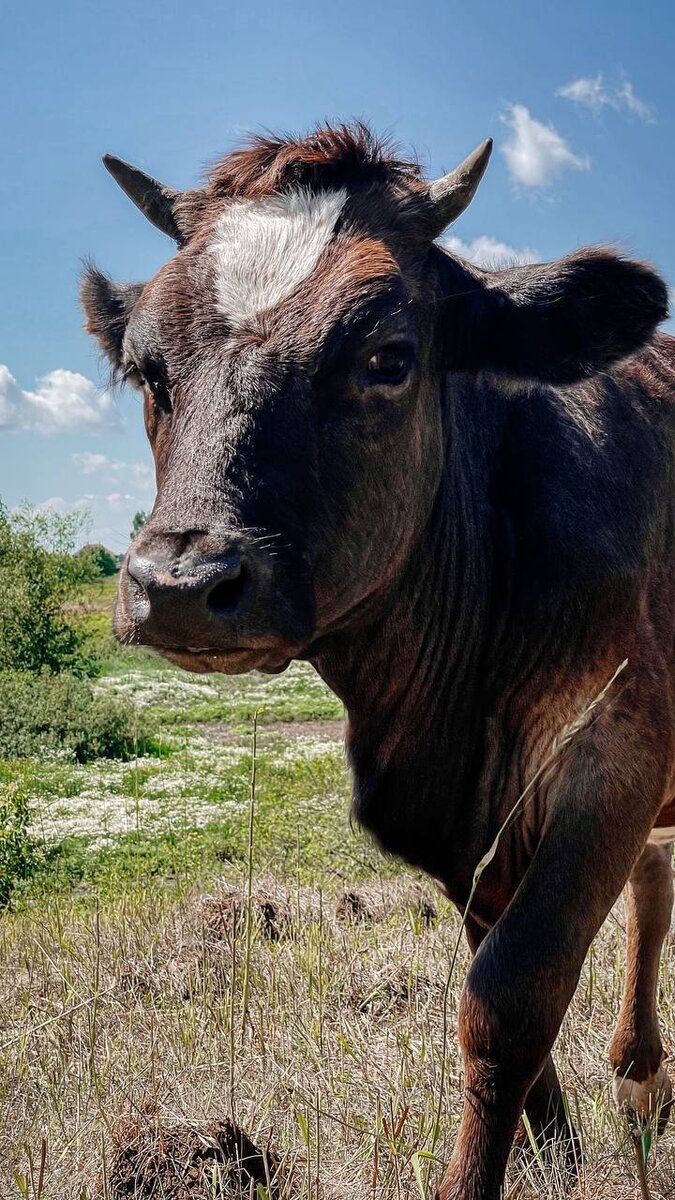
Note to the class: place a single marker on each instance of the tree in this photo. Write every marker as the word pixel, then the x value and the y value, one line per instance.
pixel 138 521
pixel 40 578
pixel 103 561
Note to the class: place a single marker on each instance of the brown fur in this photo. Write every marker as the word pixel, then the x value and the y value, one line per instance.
pixel 332 156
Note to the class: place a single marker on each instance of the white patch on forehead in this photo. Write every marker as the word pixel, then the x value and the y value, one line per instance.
pixel 661 837
pixel 264 248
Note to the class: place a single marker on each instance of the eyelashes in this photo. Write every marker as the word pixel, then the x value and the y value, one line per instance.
pixel 130 374
pixel 149 380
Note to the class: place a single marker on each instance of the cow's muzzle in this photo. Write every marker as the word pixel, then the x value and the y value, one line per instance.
pixel 209 603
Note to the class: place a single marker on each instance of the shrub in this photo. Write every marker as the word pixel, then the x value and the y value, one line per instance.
pixel 39 578
pixel 63 714
pixel 19 853
pixel 103 561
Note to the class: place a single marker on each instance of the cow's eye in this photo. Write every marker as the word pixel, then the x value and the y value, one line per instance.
pixel 161 394
pixel 151 381
pixel 390 364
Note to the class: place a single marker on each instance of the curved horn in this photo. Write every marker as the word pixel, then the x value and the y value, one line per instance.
pixel 155 201
pixel 452 193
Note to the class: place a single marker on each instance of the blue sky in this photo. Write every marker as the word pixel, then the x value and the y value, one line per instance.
pixel 579 98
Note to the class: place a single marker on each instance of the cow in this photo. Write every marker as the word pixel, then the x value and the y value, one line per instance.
pixel 451 490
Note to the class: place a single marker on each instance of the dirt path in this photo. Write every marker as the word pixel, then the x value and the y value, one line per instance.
pixel 220 732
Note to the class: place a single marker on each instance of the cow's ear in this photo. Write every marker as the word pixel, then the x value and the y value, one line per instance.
pixel 557 321
pixel 107 307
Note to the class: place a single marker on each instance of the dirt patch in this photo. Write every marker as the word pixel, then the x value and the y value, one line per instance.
pixel 221 733
pixel 151 1161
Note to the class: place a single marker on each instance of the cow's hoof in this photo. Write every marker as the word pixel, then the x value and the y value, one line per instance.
pixel 646 1101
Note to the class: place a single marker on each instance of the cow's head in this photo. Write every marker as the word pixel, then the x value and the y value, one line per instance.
pixel 294 358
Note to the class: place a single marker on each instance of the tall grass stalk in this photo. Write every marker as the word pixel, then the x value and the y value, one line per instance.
pixel 249 875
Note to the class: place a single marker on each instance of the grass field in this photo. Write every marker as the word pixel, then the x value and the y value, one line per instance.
pixel 207 940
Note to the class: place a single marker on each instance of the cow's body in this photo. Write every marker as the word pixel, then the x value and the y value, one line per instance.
pixel 543 567
pixel 453 491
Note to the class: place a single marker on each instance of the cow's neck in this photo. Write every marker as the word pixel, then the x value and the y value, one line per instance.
pixel 413 683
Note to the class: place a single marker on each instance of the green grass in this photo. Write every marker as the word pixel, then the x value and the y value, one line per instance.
pixel 170 697
pixel 176 811
pixel 195 794
pixel 182 814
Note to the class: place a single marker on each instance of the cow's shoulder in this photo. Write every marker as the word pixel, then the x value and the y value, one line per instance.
pixel 584 476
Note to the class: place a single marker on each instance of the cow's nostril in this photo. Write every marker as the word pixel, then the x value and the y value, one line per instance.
pixel 140 570
pixel 225 596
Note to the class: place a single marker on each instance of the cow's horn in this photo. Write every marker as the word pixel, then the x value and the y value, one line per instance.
pixel 452 193
pixel 155 201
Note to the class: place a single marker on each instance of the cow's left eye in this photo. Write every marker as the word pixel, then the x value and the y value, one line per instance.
pixel 391 364
pixel 152 382
pixel 161 395
pixel 151 379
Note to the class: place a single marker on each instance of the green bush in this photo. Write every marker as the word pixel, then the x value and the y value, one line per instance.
pixel 103 561
pixel 64 715
pixel 20 855
pixel 40 582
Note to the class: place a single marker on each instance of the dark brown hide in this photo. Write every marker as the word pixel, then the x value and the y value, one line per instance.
pixel 453 491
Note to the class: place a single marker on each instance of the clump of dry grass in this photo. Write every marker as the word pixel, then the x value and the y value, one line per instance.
pixel 224 915
pixel 110 1014
pixel 391 987
pixel 353 908
pixel 376 901
pixel 181 1161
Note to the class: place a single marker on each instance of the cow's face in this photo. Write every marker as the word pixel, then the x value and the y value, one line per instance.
pixel 286 358
pixel 291 358
pixel 293 419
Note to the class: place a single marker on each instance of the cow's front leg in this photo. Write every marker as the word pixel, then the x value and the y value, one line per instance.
pixel 545 1106
pixel 601 809
pixel 641 1084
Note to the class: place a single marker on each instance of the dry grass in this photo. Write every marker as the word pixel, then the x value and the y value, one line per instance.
pixel 126 1047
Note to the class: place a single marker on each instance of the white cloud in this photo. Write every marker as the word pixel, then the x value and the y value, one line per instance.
pixel 57 504
pixel 536 154
pixel 595 94
pixel 626 96
pixel 112 470
pixel 121 501
pixel 111 512
pixel 487 251
pixel 62 402
pixel 588 92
